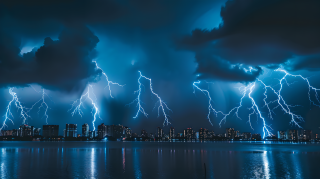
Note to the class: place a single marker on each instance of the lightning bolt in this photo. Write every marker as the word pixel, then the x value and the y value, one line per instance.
pixel 280 102
pixel 77 108
pixel 43 105
pixel 8 115
pixel 255 110
pixel 108 81
pixel 162 105
pixel 247 90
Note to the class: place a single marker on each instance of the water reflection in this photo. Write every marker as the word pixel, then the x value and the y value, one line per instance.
pixel 137 165
pixel 92 162
pixel 266 165
pixel 158 160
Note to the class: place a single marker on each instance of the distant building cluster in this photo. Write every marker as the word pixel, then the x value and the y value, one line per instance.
pixel 120 132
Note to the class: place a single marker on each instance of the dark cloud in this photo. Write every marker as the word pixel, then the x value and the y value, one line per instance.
pixel 266 33
pixel 211 67
pixel 64 64
pixel 38 18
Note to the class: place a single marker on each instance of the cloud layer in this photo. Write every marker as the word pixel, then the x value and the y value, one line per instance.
pixel 64 64
pixel 260 33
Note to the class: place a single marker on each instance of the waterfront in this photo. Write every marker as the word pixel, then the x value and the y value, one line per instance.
pixel 158 160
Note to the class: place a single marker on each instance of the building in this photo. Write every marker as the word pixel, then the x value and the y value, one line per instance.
pixel 159 132
pixel 237 134
pixel 256 137
pixel 118 131
pixel 71 130
pixel 91 134
pixel 110 129
pixel 171 133
pixel 127 132
pixel 203 134
pixel 151 136
pixel 210 134
pixel 188 133
pixel 292 134
pixel 102 131
pixel 15 132
pixel 6 132
pixel 179 135
pixel 307 135
pixel 282 135
pixel 230 133
pixel 50 130
pixel 144 133
pixel 37 131
pixel 196 135
pixel 26 130
pixel 85 130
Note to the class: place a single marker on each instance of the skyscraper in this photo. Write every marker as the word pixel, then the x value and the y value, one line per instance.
pixel 71 130
pixel 85 130
pixel 37 131
pixel 203 134
pixel 50 130
pixel 118 131
pixel 127 132
pixel 188 133
pixel 230 133
pixel 26 130
pixel 171 133
pixel 159 132
pixel 144 133
pixel 246 136
pixel 292 134
pixel 102 131
pixel 282 135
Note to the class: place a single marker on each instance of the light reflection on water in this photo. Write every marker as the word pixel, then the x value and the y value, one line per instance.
pixel 157 160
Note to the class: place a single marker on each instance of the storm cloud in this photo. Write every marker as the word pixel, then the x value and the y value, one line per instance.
pixel 268 33
pixel 64 64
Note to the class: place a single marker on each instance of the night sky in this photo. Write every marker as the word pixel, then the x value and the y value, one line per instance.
pixel 51 45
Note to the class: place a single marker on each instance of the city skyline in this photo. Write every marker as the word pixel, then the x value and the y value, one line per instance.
pixel 121 132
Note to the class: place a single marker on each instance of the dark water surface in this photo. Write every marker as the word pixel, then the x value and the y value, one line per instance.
pixel 158 160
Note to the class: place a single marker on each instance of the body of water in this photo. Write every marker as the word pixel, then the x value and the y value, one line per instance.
pixel 159 160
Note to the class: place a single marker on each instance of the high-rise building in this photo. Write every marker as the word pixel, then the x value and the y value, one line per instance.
pixel 85 130
pixel 118 131
pixel 246 136
pixel 144 133
pixel 230 133
pixel 127 132
pixel 282 135
pixel 307 134
pixel 237 134
pixel 256 137
pixel 188 133
pixel 15 132
pixel 91 134
pixel 292 134
pixel 197 135
pixel 203 134
pixel 210 134
pixel 26 130
pixel 37 131
pixel 151 136
pixel 159 132
pixel 110 129
pixel 102 131
pixel 171 133
pixel 50 130
pixel 6 132
pixel 71 130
